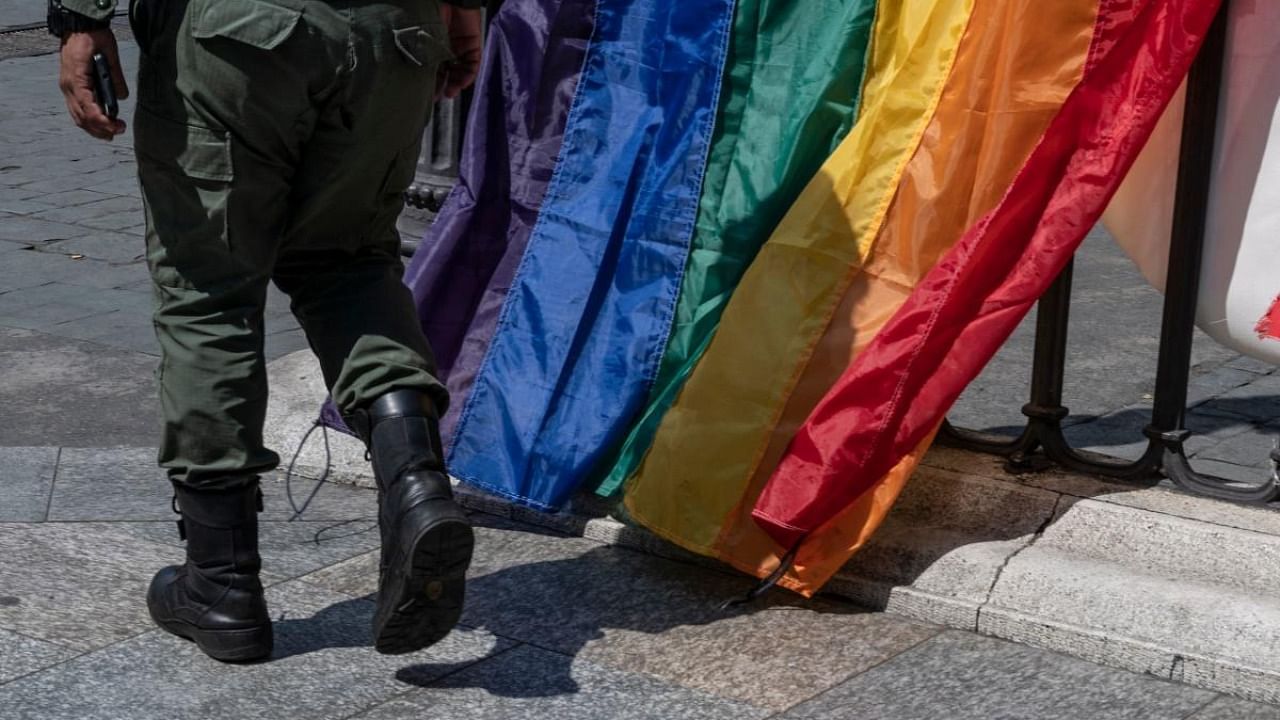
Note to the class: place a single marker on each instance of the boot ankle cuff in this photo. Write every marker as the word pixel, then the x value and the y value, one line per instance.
pixel 395 404
pixel 220 508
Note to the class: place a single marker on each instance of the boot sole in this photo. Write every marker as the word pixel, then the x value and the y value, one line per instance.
pixel 421 598
pixel 232 646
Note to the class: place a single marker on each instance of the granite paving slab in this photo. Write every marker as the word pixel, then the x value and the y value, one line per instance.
pixel 104 244
pixel 284 337
pixel 356 576
pixel 59 391
pixel 34 231
pixel 324 666
pixel 1229 708
pixel 1209 429
pixel 1259 400
pixel 21 655
pixel 12 207
pixel 528 682
pixel 771 657
pixel 126 484
pixel 19 13
pixel 1244 362
pixel 1251 447
pixel 33 268
pixel 293 549
pixel 1207 382
pixel 122 329
pixel 26 480
pixel 960 676
pixel 1236 472
pixel 45 317
pixel 79 210
pixel 100 275
pixel 121 222
pixel 78 585
pixel 501 544
pixel 9 247
pixel 638 613
pixel 333 503
pixel 106 484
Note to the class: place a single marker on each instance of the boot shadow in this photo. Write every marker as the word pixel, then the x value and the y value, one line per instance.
pixel 558 607
pixel 342 625
pixel 561 606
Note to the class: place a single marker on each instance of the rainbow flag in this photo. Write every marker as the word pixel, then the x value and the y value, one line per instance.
pixel 773 246
pixel 781 115
pixel 464 267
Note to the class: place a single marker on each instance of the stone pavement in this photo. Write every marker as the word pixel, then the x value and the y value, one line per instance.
pixel 75 300
pixel 20 13
pixel 556 626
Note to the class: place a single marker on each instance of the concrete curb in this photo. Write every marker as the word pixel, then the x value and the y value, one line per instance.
pixel 1142 579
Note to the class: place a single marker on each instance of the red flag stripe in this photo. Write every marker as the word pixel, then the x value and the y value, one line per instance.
pixel 1269 325
pixel 901 386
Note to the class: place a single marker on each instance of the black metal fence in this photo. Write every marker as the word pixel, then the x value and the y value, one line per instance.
pixel 438 164
pixel 1042 439
pixel 442 146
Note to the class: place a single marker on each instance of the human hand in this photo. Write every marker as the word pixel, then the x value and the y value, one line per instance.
pixel 76 82
pixel 464 40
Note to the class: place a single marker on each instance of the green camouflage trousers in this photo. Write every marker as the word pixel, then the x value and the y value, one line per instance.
pixel 275 140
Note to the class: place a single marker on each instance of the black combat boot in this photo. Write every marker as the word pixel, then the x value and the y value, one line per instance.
pixel 215 598
pixel 426 538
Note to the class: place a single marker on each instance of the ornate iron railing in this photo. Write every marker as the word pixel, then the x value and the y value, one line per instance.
pixel 1042 439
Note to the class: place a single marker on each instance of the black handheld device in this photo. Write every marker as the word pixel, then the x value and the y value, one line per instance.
pixel 104 91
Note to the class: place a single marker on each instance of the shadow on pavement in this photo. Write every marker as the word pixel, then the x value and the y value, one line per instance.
pixel 561 605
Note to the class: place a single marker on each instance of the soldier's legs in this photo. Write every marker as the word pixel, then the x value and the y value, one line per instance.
pixel 275 139
pixel 340 258
pixel 340 264
pixel 222 117
pixel 228 98
pixel 215 129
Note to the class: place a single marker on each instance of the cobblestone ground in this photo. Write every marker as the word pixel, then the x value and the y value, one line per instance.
pixel 556 627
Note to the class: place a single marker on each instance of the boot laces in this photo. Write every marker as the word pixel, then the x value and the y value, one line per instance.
pixel 320 482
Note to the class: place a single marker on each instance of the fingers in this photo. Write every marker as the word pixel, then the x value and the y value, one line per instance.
pixel 454 84
pixel 73 109
pixel 465 37
pixel 460 74
pixel 91 119
pixel 76 85
pixel 454 77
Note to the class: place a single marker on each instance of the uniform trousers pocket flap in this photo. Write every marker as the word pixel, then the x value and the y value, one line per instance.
pixel 260 24
pixel 190 150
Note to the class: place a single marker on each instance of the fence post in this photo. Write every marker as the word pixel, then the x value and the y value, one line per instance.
pixel 1167 431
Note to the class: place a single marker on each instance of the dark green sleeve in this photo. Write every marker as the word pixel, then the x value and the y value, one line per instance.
pixel 96 9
